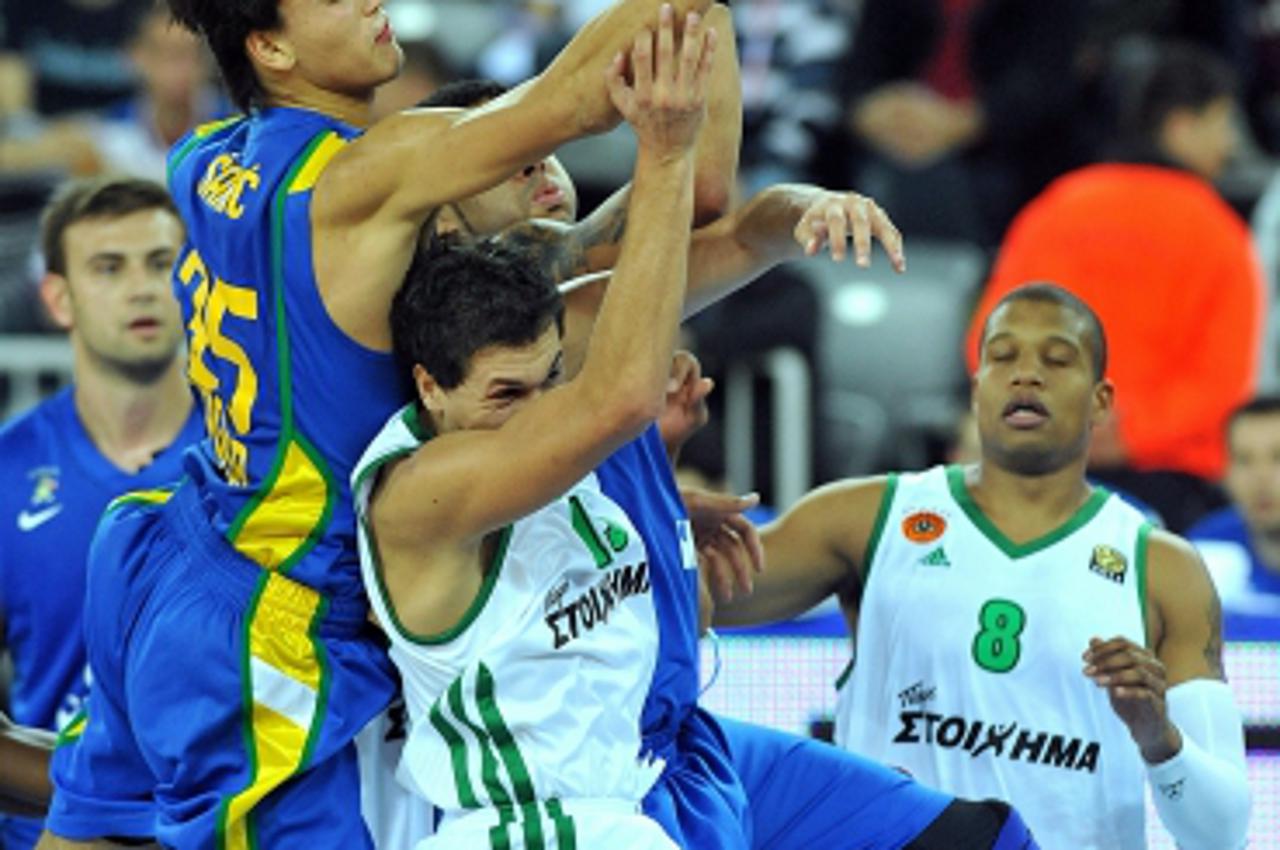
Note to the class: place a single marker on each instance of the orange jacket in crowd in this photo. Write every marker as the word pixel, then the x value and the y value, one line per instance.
pixel 1171 271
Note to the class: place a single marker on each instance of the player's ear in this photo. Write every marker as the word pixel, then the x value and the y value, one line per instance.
pixel 430 394
pixel 55 294
pixel 1104 399
pixel 270 51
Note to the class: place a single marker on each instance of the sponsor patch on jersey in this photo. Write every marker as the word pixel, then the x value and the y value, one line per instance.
pixel 1109 564
pixel 45 479
pixel 923 526
pixel 935 558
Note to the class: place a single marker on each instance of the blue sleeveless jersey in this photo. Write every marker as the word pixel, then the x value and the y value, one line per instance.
pixel 290 400
pixel 638 477
pixel 54 485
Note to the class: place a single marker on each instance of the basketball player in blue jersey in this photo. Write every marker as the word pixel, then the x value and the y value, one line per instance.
pixel 300 228
pixel 1018 631
pixel 122 424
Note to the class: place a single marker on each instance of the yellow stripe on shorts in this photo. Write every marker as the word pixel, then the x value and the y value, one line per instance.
pixel 285 673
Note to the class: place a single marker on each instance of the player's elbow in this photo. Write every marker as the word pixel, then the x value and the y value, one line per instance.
pixel 628 410
pixel 712 197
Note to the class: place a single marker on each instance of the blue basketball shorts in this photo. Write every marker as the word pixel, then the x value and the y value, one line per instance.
pixel 226 697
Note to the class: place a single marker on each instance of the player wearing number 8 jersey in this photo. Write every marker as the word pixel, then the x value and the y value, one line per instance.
pixel 301 223
pixel 978 595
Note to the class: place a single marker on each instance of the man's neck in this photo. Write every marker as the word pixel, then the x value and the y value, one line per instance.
pixel 131 422
pixel 170 121
pixel 346 108
pixel 1025 507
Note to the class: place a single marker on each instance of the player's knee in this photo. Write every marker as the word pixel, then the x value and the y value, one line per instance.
pixel 975 825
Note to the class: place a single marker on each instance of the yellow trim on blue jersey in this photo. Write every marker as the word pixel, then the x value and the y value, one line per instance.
pixel 285 690
pixel 74 729
pixel 282 523
pixel 211 127
pixel 141 497
pixel 320 155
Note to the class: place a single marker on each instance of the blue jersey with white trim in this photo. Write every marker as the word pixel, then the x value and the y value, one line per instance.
pixel 290 399
pixel 54 485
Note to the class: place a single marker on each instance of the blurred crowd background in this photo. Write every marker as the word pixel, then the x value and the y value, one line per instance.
pixel 1124 148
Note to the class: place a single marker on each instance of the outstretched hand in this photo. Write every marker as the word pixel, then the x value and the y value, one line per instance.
pixel 835 218
pixel 729 549
pixel 665 101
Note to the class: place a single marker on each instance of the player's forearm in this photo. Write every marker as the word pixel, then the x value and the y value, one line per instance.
pixel 728 254
pixel 635 334
pixel 718 149
pixel 576 72
pixel 24 770
pixel 1201 793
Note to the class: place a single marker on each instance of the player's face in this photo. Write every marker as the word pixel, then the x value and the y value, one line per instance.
pixel 170 60
pixel 1034 395
pixel 542 190
pixel 501 380
pixel 343 46
pixel 117 298
pixel 1253 473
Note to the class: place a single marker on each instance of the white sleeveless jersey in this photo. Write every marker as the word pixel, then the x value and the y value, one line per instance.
pixel 968 671
pixel 530 705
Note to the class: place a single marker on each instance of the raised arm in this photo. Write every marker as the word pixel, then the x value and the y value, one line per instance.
pixel 560 436
pixel 1174 700
pixel 373 197
pixel 817 548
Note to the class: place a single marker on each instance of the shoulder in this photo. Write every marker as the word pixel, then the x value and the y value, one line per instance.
pixel 24 433
pixel 1176 574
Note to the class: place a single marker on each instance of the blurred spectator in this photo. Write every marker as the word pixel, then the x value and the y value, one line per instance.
pixel 425 69
pixel 533 32
pixel 132 136
pixel 791 52
pixel 1251 526
pixel 73 52
pixel 1169 268
pixel 1262 93
pixel 962 109
pixel 176 93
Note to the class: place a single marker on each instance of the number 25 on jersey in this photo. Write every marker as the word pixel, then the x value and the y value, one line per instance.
pixel 227 414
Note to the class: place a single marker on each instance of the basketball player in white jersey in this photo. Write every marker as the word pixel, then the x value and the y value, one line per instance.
pixel 515 593
pixel 1020 634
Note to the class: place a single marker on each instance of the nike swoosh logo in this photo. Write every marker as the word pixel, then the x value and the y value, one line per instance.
pixel 32 521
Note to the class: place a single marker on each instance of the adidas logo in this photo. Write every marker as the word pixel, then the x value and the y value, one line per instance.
pixel 936 558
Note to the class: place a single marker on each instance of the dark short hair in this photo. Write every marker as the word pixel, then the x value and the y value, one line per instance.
pixel 97 197
pixel 464 93
pixel 224 25
pixel 1050 293
pixel 458 299
pixel 1263 405
pixel 1180 76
